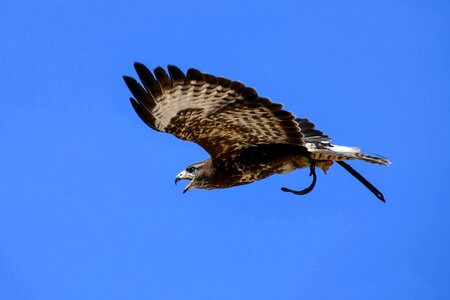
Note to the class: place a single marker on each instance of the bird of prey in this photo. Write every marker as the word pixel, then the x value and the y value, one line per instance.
pixel 248 137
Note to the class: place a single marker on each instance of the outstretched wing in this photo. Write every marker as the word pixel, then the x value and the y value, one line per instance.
pixel 222 116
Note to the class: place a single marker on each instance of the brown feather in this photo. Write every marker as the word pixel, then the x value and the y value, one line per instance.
pixel 222 116
pixel 143 114
pixel 148 80
pixel 176 74
pixel 163 79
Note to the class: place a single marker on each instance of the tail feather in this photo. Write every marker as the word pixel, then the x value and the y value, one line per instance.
pixel 373 159
pixel 340 153
pixel 319 145
pixel 350 153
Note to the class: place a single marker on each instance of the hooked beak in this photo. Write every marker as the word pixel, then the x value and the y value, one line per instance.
pixel 184 175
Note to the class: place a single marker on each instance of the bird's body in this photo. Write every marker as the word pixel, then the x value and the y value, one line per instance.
pixel 248 137
pixel 254 165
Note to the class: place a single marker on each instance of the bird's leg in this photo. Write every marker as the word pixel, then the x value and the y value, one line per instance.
pixel 312 171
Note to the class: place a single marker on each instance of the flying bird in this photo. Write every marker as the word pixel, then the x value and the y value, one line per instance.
pixel 248 137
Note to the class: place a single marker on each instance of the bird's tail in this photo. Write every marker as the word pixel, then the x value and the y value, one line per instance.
pixel 319 145
pixel 340 153
pixel 324 154
pixel 379 160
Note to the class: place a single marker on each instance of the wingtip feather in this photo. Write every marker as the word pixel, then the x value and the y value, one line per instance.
pixel 175 73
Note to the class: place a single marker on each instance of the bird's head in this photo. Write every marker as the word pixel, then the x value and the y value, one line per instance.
pixel 198 174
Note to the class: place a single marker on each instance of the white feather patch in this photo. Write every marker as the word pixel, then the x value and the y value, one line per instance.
pixel 345 149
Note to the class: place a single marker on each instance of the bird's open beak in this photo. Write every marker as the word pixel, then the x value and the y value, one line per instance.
pixel 184 175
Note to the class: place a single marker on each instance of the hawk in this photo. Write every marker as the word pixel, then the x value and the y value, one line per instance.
pixel 248 137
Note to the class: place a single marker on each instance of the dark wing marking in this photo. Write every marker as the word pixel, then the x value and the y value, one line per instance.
pixel 220 115
pixel 311 134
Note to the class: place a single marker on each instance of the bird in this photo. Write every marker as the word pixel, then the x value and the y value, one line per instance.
pixel 248 137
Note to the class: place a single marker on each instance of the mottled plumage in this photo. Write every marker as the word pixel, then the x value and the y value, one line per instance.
pixel 248 137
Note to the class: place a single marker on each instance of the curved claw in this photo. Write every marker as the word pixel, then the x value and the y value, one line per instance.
pixel 312 171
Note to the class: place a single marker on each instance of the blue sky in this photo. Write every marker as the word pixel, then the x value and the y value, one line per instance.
pixel 88 208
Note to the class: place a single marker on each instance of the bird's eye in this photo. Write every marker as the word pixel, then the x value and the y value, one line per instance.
pixel 190 169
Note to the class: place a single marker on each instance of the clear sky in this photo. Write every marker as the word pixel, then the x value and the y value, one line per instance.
pixel 88 205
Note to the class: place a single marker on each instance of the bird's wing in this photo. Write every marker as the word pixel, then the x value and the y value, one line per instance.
pixel 311 134
pixel 222 116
